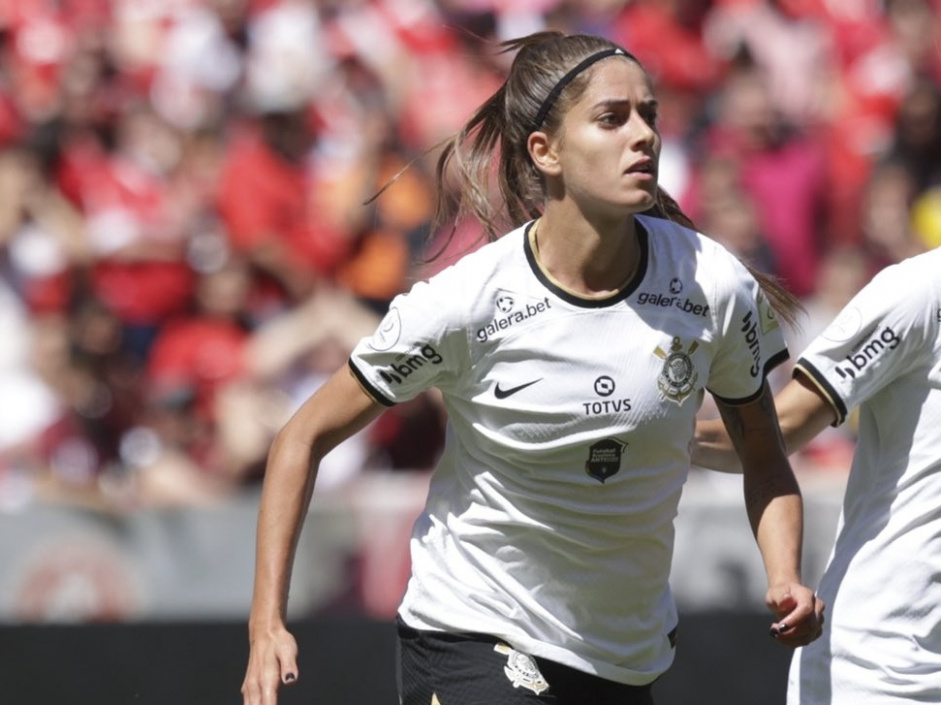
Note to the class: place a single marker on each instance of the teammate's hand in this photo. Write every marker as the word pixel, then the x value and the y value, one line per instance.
pixel 272 662
pixel 799 612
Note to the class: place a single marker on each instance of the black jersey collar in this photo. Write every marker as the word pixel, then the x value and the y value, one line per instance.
pixel 585 302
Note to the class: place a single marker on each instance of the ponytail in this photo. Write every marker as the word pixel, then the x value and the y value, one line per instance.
pixel 491 146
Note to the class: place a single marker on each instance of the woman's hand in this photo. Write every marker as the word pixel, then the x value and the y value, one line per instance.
pixel 799 612
pixel 271 663
pixel 775 510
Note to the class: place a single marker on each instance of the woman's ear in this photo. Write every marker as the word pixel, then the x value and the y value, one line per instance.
pixel 543 152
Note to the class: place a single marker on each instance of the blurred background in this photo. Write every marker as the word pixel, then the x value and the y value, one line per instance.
pixel 185 254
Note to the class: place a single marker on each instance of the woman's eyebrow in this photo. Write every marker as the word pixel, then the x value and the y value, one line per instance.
pixel 622 102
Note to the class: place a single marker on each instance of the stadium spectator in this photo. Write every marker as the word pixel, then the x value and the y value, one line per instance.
pixel 915 140
pixel 886 217
pixel 265 194
pixel 781 168
pixel 790 46
pixel 881 52
pixel 134 224
pixel 729 214
pixel 668 38
pixel 539 465
pixel 289 357
pixel 43 234
pixel 120 121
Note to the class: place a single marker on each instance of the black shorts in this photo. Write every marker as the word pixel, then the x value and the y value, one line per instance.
pixel 438 668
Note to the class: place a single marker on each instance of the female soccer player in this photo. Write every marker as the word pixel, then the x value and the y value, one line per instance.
pixel 882 356
pixel 572 355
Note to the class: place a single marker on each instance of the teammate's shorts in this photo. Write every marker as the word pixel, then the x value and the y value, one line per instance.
pixel 438 668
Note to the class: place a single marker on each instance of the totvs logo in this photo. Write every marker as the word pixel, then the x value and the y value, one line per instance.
pixel 858 360
pixel 408 364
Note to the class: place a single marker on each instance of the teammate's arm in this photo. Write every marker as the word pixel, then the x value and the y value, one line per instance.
pixel 336 411
pixel 803 412
pixel 775 510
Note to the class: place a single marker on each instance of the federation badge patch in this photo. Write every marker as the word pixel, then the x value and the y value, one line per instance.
pixel 766 314
pixel 388 332
pixel 848 324
pixel 522 670
pixel 678 376
pixel 604 459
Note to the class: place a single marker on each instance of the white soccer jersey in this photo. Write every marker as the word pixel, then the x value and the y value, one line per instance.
pixel 882 587
pixel 549 520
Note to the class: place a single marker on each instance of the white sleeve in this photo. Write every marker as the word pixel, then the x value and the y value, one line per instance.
pixel 877 337
pixel 751 342
pixel 420 343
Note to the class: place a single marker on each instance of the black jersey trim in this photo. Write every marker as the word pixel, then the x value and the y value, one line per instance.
pixel 775 360
pixel 772 362
pixel 829 392
pixel 575 300
pixel 369 388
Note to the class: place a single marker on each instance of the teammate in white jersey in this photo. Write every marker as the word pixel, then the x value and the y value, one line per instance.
pixel 882 585
pixel 572 355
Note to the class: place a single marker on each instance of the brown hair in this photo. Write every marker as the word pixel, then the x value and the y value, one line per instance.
pixel 501 127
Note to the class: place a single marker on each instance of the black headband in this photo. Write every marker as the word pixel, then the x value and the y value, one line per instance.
pixel 564 81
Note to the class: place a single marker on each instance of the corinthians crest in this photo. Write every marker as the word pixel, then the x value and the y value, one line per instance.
pixel 678 376
pixel 522 670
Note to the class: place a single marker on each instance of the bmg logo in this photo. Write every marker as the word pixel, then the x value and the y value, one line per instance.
pixel 406 365
pixel 857 361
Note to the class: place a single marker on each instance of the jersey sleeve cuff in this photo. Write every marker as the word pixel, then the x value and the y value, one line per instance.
pixel 368 387
pixel 772 362
pixel 824 387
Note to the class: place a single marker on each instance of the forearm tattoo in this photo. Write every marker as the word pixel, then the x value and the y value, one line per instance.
pixel 762 419
pixel 734 423
pixel 766 402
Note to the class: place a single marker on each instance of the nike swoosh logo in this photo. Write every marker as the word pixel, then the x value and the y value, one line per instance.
pixel 504 393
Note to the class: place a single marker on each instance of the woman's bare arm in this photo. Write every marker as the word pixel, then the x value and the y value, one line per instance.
pixel 336 411
pixel 775 510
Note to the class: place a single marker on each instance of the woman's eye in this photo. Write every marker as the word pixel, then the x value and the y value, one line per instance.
pixel 616 119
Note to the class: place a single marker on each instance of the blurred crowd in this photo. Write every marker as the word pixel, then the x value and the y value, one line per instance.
pixel 188 238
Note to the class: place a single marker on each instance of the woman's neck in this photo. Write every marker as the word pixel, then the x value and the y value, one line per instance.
pixel 584 258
